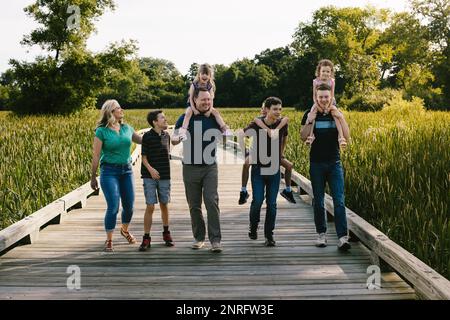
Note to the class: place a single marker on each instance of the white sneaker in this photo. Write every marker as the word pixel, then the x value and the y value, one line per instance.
pixel 343 243
pixel 197 244
pixel 216 247
pixel 321 241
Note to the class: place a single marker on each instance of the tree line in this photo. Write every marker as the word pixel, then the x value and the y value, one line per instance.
pixel 378 54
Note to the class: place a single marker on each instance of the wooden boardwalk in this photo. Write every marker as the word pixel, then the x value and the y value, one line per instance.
pixel 294 269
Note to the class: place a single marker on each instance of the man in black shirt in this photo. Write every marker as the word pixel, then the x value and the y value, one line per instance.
pixel 265 174
pixel 155 171
pixel 200 171
pixel 325 166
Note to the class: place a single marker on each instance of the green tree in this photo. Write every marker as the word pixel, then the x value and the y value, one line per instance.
pixel 45 86
pixel 348 37
pixel 167 86
pixel 435 14
pixel 73 78
pixel 56 19
pixel 246 84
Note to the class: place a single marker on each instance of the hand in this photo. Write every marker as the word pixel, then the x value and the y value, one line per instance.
pixel 94 183
pixel 335 112
pixel 312 115
pixel 208 113
pixel 274 133
pixel 154 173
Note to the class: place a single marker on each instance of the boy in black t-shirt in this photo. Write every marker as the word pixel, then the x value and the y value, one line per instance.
pixel 325 165
pixel 265 173
pixel 288 166
pixel 155 171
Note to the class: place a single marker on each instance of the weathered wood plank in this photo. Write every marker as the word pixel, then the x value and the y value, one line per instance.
pixel 429 283
pixel 295 269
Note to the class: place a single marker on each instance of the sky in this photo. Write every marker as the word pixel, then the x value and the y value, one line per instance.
pixel 182 31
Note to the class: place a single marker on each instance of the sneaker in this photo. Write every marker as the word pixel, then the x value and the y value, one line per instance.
pixel 146 243
pixel 109 246
pixel 321 241
pixel 197 244
pixel 130 238
pixel 269 242
pixel 253 232
pixel 343 244
pixel 243 197
pixel 216 247
pixel 288 195
pixel 168 239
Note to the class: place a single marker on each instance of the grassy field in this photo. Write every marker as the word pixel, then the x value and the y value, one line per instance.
pixel 397 168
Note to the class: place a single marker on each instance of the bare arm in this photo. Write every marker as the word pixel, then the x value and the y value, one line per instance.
pixel 137 138
pixel 332 94
pixel 261 124
pixel 283 145
pixel 212 93
pixel 241 139
pixel 306 128
pixel 96 151
pixel 191 100
pixel 175 135
pixel 314 95
pixel 340 117
pixel 153 172
pixel 284 121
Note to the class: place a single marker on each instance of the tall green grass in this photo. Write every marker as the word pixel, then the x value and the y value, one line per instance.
pixel 397 168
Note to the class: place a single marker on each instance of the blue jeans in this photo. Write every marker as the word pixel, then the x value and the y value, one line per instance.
pixel 117 184
pixel 269 185
pixel 333 173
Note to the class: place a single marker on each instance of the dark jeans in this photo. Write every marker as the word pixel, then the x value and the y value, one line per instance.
pixel 333 173
pixel 117 184
pixel 269 185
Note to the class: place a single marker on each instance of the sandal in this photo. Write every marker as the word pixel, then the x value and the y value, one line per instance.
pixel 108 246
pixel 130 238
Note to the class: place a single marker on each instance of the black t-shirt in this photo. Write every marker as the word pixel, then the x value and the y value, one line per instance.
pixel 157 148
pixel 325 146
pixel 203 139
pixel 257 143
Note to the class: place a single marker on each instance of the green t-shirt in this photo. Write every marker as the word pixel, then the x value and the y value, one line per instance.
pixel 116 146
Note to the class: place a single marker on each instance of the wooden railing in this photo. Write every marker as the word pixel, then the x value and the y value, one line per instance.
pixel 428 283
pixel 26 231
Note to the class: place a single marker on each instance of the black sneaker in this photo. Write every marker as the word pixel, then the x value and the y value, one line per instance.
pixel 168 239
pixel 343 244
pixel 269 242
pixel 288 196
pixel 243 197
pixel 146 243
pixel 253 233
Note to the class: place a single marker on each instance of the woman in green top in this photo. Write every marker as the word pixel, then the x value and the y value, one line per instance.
pixel 112 144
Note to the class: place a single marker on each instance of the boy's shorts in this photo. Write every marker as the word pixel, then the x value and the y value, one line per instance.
pixel 153 187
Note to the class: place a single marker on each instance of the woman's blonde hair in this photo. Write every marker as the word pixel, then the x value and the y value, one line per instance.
pixel 325 63
pixel 206 68
pixel 107 117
